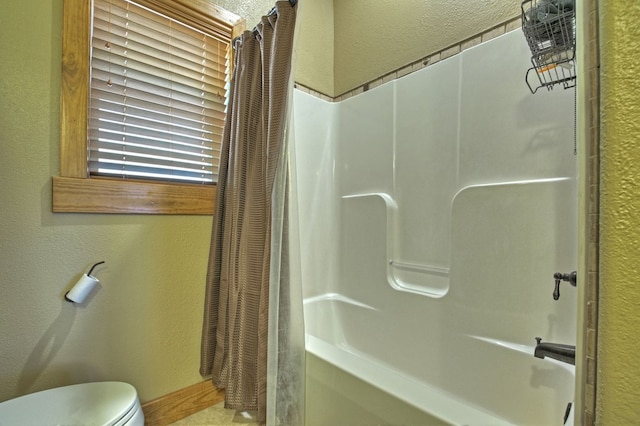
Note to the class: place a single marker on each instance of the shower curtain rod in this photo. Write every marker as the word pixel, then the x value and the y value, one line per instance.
pixel 271 12
pixel 273 9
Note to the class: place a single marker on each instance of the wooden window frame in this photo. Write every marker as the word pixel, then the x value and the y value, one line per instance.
pixel 74 191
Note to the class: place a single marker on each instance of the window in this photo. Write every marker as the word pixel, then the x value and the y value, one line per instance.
pixel 139 128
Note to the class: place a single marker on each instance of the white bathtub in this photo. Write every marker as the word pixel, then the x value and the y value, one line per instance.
pixel 474 380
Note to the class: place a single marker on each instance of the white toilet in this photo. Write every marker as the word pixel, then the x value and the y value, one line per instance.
pixel 99 404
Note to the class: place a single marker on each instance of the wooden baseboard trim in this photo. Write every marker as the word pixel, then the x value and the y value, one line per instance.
pixel 181 403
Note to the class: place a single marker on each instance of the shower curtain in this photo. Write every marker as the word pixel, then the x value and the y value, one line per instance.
pixel 248 346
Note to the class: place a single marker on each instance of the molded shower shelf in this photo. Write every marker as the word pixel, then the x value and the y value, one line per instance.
pixel 422 279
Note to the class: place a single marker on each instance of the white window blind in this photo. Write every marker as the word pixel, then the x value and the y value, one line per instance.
pixel 158 95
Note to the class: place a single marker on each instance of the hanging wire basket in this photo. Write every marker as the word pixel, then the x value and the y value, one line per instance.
pixel 549 28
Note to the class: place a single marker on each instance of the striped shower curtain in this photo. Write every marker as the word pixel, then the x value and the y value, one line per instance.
pixel 248 283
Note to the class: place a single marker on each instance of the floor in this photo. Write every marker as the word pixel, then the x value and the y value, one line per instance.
pixel 218 416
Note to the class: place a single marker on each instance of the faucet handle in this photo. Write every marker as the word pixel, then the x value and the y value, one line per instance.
pixel 556 289
pixel 571 278
pixel 538 340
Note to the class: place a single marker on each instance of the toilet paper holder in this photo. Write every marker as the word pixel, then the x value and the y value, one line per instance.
pixel 85 285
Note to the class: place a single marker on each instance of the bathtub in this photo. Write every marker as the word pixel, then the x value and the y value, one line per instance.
pixel 458 347
pixel 462 387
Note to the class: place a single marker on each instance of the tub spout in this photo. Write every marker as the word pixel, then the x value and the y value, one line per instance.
pixel 564 353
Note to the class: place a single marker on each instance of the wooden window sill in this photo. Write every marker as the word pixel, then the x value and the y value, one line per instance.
pixel 82 195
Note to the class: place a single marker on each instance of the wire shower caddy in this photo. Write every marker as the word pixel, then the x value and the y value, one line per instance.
pixel 549 28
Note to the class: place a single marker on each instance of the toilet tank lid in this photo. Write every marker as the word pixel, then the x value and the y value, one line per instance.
pixel 99 403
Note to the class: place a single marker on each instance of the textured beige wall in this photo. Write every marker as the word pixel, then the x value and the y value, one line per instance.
pixel 143 325
pixel 315 49
pixel 373 38
pixel 619 316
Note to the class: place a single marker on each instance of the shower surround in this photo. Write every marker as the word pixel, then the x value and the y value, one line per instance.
pixel 434 211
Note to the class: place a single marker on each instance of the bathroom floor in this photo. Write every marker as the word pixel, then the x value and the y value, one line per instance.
pixel 218 416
